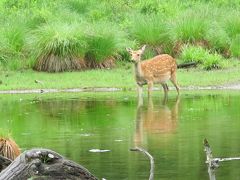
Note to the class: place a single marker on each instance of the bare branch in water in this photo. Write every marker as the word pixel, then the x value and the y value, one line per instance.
pixel 212 162
pixel 151 177
pixel 212 165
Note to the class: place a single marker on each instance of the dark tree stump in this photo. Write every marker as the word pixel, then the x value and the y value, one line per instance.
pixel 44 164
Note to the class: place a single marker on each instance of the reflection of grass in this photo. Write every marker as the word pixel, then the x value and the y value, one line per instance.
pixel 119 77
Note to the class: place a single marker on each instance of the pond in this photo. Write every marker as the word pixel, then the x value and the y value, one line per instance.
pixel 172 132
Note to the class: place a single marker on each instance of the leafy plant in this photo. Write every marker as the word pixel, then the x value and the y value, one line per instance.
pixel 193 54
pixel 201 56
pixel 213 61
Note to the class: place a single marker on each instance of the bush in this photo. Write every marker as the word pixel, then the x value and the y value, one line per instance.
pixel 193 54
pixel 213 61
pixel 201 56
pixel 58 47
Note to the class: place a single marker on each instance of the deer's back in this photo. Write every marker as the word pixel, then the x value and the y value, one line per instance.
pixel 160 63
pixel 159 67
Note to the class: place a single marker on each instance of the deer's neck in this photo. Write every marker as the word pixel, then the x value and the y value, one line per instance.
pixel 138 69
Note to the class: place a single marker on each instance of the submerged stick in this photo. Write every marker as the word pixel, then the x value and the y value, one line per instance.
pixel 151 160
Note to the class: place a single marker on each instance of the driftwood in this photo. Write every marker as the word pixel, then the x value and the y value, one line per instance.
pixel 213 163
pixel 187 65
pixel 43 164
pixel 151 177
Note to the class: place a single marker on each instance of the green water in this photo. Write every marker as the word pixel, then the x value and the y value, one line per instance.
pixel 73 124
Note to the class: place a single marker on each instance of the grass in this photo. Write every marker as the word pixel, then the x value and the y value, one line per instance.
pixel 108 27
pixel 121 77
pixel 191 26
pixel 57 46
pixel 235 46
pixel 104 44
pixel 217 38
pixel 207 60
pixel 151 30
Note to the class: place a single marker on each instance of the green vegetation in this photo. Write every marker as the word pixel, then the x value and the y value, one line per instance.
pixel 151 30
pixel 57 47
pixel 72 35
pixel 202 56
pixel 119 77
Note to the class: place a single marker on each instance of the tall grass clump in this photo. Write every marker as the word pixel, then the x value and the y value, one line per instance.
pixel 235 46
pixel 8 147
pixel 191 26
pixel 151 30
pixel 232 24
pixel 103 44
pixel 80 6
pixel 218 39
pixel 58 47
pixel 12 50
pixel 201 56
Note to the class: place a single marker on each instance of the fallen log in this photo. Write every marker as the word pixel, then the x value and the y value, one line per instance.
pixel 187 65
pixel 44 164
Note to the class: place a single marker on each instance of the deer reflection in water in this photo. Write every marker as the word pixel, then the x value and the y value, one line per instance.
pixel 155 120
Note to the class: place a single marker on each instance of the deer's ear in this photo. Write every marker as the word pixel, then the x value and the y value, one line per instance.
pixel 143 48
pixel 129 50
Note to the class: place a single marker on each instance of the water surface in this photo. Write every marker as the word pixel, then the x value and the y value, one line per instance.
pixel 73 124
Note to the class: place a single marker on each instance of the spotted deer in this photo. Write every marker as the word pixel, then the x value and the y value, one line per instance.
pixel 158 70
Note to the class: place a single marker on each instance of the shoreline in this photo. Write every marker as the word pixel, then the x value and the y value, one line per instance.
pixel 112 89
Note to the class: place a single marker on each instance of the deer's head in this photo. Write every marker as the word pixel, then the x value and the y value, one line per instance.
pixel 136 55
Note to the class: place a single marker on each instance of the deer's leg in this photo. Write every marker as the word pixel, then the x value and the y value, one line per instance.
pixel 174 81
pixel 150 86
pixel 165 88
pixel 140 92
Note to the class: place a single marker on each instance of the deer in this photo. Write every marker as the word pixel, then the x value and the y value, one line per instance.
pixel 156 70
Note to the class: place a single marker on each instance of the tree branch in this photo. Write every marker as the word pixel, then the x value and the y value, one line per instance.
pixel 151 177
